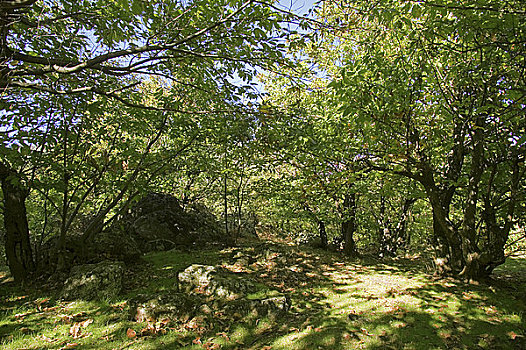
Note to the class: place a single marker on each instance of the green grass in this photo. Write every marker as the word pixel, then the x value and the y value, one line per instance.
pixel 336 304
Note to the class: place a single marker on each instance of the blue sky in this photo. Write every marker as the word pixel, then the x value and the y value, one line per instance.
pixel 299 7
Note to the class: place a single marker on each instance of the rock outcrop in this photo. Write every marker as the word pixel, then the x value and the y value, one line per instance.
pixel 158 222
pixel 94 281
pixel 214 281
pixel 173 306
pixel 204 290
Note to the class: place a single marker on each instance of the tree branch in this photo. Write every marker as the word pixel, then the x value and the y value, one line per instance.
pixel 15 4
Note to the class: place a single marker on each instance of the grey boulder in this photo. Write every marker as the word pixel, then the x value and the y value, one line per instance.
pixel 94 281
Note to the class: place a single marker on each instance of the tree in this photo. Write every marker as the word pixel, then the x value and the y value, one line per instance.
pixel 17 243
pixel 438 92
pixel 95 50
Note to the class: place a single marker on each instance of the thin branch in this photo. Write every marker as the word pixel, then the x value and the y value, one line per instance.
pixel 70 66
pixel 15 4
pixel 471 8
pixel 47 21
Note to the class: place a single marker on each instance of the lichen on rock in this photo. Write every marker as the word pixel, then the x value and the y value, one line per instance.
pixel 214 281
pixel 94 281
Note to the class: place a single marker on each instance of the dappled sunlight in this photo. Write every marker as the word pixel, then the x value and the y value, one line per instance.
pixel 336 304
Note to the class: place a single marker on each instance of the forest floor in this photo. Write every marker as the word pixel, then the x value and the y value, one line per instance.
pixel 337 303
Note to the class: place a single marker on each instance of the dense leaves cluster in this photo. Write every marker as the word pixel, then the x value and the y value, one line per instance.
pixel 101 99
pixel 384 124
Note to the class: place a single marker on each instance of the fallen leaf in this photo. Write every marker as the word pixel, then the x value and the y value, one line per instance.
pixel 512 335
pixel 466 296
pixel 21 316
pixel 48 309
pixel 494 320
pixel 152 329
pixel 211 346
pixel 364 331
pixel 224 335
pixel 197 341
pixel 46 339
pixel 66 318
pixel 400 325
pixel 445 334
pixel 164 322
pixel 86 322
pixel 39 303
pixel 492 310
pixel 75 330
pixel 69 346
pixel 79 314
pixel 130 333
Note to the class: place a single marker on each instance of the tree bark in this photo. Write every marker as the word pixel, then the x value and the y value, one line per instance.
pixel 446 241
pixel 17 244
pixel 349 225
pixel 323 234
pixel 471 253
pixel 402 234
pixel 386 234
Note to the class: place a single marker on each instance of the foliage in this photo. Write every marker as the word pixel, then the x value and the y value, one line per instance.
pixel 103 98
pixel 434 91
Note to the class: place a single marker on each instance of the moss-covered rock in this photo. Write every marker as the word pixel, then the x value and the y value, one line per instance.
pixel 94 281
pixel 173 306
pixel 214 281
pixel 268 307
pixel 115 244
pixel 159 222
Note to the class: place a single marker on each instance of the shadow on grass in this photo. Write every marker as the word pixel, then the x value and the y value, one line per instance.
pixel 336 304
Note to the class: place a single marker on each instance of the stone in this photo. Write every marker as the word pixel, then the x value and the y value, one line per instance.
pixel 159 222
pixel 204 291
pixel 115 245
pixel 173 306
pixel 94 281
pixel 269 307
pixel 243 259
pixel 214 281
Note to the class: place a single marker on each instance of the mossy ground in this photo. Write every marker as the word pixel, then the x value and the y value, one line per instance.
pixel 337 303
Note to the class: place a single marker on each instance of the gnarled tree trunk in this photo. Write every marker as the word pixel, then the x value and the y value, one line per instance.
pixel 472 248
pixel 17 244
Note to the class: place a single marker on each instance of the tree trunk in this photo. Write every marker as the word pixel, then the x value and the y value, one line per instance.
pixel 497 234
pixel 470 250
pixel 446 240
pixel 225 207
pixel 349 225
pixel 323 233
pixel 17 244
pixel 403 238
pixel 459 249
pixel 386 234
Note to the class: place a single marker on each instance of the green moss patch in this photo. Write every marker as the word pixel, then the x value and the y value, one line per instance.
pixel 336 303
